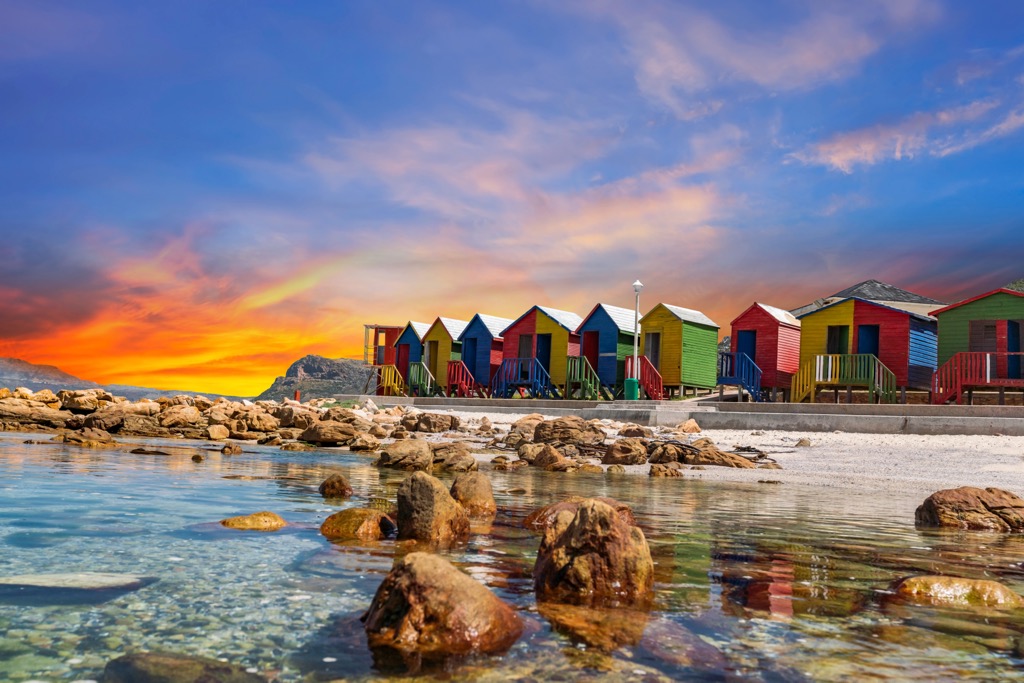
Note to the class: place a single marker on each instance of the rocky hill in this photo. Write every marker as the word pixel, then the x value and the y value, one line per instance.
pixel 319 377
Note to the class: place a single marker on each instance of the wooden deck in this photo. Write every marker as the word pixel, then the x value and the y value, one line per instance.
pixel 969 370
pixel 836 371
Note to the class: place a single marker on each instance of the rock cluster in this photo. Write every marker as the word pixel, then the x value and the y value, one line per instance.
pixel 968 507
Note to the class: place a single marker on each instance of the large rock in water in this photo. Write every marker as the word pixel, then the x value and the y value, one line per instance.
pixel 335 486
pixel 544 517
pixel 362 523
pixel 427 512
pixel 407 455
pixel 953 591
pixel 592 558
pixel 428 607
pixel 158 667
pixel 569 429
pixel 257 521
pixel 968 507
pixel 473 491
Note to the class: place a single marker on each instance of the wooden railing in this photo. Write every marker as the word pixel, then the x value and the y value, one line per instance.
pixel 385 380
pixel 461 382
pixel 650 378
pixel 740 369
pixel 421 381
pixel 845 369
pixel 522 374
pixel 969 369
pixel 580 379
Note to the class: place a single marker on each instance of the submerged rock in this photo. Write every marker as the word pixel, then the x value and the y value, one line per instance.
pixel 427 512
pixel 257 521
pixel 954 591
pixel 593 557
pixel 968 507
pixel 427 606
pixel 156 667
pixel 362 523
pixel 474 492
pixel 335 486
pixel 665 471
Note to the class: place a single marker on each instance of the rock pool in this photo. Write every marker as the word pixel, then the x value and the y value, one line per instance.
pixel 786 582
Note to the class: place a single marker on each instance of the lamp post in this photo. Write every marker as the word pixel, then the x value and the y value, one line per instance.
pixel 637 286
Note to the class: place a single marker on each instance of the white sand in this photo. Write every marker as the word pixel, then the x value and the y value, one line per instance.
pixel 902 464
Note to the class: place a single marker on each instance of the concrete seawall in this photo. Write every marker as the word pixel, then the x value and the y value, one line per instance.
pixel 802 417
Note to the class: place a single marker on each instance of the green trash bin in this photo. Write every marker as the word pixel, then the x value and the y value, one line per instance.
pixel 632 392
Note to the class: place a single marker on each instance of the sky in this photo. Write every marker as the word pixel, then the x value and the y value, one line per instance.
pixel 195 194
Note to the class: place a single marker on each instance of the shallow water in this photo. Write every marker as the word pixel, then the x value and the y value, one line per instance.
pixel 787 583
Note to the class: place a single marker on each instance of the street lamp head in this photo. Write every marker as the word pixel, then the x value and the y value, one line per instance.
pixel 637 286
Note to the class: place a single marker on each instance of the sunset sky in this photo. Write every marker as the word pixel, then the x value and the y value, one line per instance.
pixel 195 194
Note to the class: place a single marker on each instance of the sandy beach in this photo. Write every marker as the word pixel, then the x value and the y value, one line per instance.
pixel 902 464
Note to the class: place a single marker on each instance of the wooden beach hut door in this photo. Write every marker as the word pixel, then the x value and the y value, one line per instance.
pixel 838 339
pixel 470 359
pixel 1013 346
pixel 544 351
pixel 591 347
pixel 525 351
pixel 868 339
pixel 403 361
pixel 746 342
pixel 652 348
pixel 431 359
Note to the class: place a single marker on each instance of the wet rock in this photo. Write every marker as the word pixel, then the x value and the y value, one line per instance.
pixel 77 581
pixel 156 667
pixel 428 607
pixel 364 442
pixel 453 456
pixel 511 466
pixel 197 458
pixel 330 433
pixel 407 455
pixel 546 457
pixel 427 512
pixel 358 523
pixel 954 591
pixel 217 432
pixel 109 419
pixel 588 468
pixel 257 521
pixel 541 518
pixel 528 451
pixel 474 492
pixel 625 452
pixel 270 440
pixel 436 423
pixel 597 627
pixel 296 446
pixel 968 507
pixel 88 436
pixel 20 411
pixel 615 469
pixel 569 429
pixel 672 643
pixel 635 431
pixel 664 471
pixel 688 427
pixel 335 486
pixel 667 452
pixel 231 449
pixel 593 557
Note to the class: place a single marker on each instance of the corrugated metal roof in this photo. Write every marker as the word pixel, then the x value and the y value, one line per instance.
pixel 494 324
pixel 690 315
pixel 568 320
pixel 873 290
pixel 780 315
pixel 455 327
pixel 420 329
pixel 622 317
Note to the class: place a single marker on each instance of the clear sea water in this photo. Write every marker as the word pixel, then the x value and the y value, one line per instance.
pixel 787 583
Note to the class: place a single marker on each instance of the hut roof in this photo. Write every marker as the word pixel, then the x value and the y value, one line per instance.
pixel 779 314
pixel 455 327
pixel 494 324
pixel 622 317
pixel 566 319
pixel 873 290
pixel 689 315
pixel 913 310
pixel 420 329
pixel 1004 290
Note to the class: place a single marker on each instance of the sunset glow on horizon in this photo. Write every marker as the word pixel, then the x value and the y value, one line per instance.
pixel 193 196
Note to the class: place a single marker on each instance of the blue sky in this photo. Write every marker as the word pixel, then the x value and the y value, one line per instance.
pixel 200 193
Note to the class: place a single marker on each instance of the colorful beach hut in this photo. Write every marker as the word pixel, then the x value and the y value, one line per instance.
pixel 764 351
pixel 679 348
pixel 535 349
pixel 482 347
pixel 980 345
pixel 606 340
pixel 409 347
pixel 866 344
pixel 440 346
pixel 380 354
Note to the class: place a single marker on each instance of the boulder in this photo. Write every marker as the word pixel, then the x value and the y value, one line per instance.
pixel 569 429
pixel 529 451
pixel 688 427
pixel 710 455
pixel 161 667
pixel 330 433
pixel 544 517
pixel 231 449
pixel 592 557
pixel 954 591
pixel 664 471
pixel 591 469
pixel 179 416
pixel 296 446
pixel 364 442
pixel 548 457
pixel 87 436
pixel 635 431
pixel 968 507
pixel 407 455
pixel 256 419
pixel 358 523
pixel 427 512
pixel 625 452
pixel 436 423
pixel 428 607
pixel 453 456
pixel 257 521
pixel 142 425
pixel 615 469
pixel 79 401
pixel 217 432
pixel 335 486
pixel 109 419
pixel 525 426
pixel 5 393
pixel 667 452
pixel 29 412
pixel 803 443
pixel 474 493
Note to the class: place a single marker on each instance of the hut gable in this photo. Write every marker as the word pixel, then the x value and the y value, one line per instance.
pixel 440 346
pixel 682 344
pixel 993 321
pixel 566 319
pixel 482 345
pixel 690 315
pixel 771 337
pixel 606 338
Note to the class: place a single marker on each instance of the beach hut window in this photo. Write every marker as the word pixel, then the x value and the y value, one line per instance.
pixel 983 336
pixel 652 348
pixel 838 340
